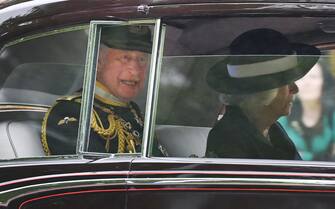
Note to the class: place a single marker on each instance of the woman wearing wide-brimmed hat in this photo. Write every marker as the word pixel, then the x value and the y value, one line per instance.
pixel 257 82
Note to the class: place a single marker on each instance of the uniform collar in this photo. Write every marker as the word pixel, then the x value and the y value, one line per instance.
pixel 102 94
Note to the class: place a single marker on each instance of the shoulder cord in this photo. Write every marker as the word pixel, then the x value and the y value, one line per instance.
pixel 117 126
pixel 44 132
pixel 44 140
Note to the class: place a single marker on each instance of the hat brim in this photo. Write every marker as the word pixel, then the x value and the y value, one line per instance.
pixel 129 37
pixel 219 79
pixel 132 45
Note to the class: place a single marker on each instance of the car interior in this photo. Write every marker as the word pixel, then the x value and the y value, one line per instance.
pixel 38 71
pixel 35 72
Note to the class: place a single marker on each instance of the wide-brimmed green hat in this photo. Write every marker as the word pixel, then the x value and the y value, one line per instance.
pixel 259 60
pixel 128 37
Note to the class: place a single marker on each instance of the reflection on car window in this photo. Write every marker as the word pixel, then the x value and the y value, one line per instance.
pixel 187 107
pixel 201 113
pixel 34 74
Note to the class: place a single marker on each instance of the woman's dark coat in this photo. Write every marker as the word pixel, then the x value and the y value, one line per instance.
pixel 234 136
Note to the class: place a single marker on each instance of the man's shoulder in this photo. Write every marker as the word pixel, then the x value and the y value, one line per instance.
pixel 76 97
pixel 65 106
pixel 60 125
pixel 67 102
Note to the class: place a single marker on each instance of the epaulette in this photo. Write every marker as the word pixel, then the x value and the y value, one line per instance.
pixel 70 97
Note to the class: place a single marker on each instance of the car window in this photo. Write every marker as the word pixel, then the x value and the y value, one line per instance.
pixel 192 101
pixel 311 123
pixel 123 58
pixel 36 71
pixel 44 100
pixel 32 64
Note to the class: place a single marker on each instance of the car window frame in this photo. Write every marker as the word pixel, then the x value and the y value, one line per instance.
pixel 89 86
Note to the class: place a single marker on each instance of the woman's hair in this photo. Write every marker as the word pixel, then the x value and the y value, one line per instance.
pixel 250 101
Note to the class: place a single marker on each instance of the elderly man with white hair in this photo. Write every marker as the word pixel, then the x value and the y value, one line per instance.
pixel 117 122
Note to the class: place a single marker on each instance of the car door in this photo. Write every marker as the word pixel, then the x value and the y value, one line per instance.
pixel 31 177
pixel 32 80
pixel 185 109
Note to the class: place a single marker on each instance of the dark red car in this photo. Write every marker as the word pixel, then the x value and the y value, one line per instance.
pixel 48 50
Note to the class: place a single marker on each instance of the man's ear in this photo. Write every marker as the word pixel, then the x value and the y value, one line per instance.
pixel 101 58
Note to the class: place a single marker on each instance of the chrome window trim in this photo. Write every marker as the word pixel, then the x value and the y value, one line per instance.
pixel 90 76
pixel 231 181
pixel 153 88
pixel 88 87
pixel 49 33
pixel 244 161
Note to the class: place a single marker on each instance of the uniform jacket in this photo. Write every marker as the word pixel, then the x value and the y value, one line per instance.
pixel 234 136
pixel 115 128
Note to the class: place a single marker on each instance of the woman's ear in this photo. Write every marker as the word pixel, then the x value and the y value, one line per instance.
pixel 221 112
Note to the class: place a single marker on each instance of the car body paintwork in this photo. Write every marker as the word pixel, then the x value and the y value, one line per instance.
pixel 139 182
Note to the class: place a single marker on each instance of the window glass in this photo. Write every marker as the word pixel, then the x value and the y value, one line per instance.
pixel 120 90
pixel 37 72
pixel 311 123
pixel 187 107
pixel 227 90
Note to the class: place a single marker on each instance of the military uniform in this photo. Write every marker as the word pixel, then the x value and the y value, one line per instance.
pixel 116 127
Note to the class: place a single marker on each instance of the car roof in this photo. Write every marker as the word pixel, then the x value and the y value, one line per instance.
pixel 20 18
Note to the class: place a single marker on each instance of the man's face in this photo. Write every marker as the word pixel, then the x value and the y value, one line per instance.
pixel 123 72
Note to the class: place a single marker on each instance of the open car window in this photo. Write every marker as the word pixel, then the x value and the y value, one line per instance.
pixel 188 107
pixel 78 90
pixel 36 71
pixel 123 59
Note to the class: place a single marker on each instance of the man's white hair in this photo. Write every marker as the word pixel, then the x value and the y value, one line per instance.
pixel 101 59
pixel 102 52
